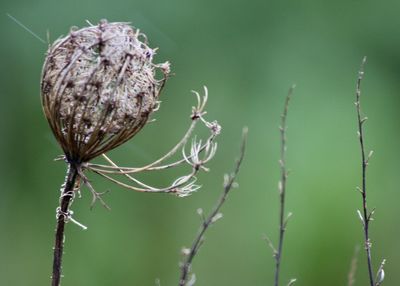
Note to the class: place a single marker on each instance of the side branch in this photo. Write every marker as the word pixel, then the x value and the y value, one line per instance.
pixel 229 183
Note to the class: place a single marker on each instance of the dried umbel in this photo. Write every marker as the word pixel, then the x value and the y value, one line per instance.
pixel 99 88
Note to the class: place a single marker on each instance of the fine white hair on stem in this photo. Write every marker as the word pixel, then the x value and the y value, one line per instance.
pixel 200 154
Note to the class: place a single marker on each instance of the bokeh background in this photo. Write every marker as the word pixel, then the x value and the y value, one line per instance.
pixel 248 53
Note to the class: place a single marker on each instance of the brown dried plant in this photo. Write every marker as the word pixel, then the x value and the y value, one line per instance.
pixel 99 88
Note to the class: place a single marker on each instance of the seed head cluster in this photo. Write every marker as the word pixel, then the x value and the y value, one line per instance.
pixel 99 87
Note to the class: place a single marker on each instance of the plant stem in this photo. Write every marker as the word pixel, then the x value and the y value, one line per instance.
pixel 282 188
pixel 229 183
pixel 62 216
pixel 364 158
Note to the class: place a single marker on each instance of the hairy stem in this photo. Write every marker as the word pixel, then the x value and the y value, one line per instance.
pixel 62 215
pixel 366 215
pixel 282 188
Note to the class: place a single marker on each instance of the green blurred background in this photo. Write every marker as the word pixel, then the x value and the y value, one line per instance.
pixel 248 53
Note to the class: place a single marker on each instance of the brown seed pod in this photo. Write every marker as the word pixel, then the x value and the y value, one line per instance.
pixel 99 87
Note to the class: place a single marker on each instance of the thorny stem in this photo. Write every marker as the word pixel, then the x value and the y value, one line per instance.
pixel 213 216
pixel 282 187
pixel 364 158
pixel 62 216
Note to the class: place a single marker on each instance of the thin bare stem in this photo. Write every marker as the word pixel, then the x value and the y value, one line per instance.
pixel 63 215
pixel 282 188
pixel 229 182
pixel 366 215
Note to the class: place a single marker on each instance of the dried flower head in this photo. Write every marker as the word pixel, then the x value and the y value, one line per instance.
pixel 99 87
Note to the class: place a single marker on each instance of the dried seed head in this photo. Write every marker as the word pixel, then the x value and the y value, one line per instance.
pixel 99 87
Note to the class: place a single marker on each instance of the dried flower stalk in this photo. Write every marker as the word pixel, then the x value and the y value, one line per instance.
pixel 99 88
pixel 366 216
pixel 190 253
pixel 283 218
pixel 282 188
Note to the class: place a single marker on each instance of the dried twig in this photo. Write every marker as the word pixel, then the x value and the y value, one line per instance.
pixel 277 253
pixel 229 183
pixel 365 215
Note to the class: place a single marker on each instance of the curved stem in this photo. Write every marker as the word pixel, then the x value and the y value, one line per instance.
pixel 62 215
